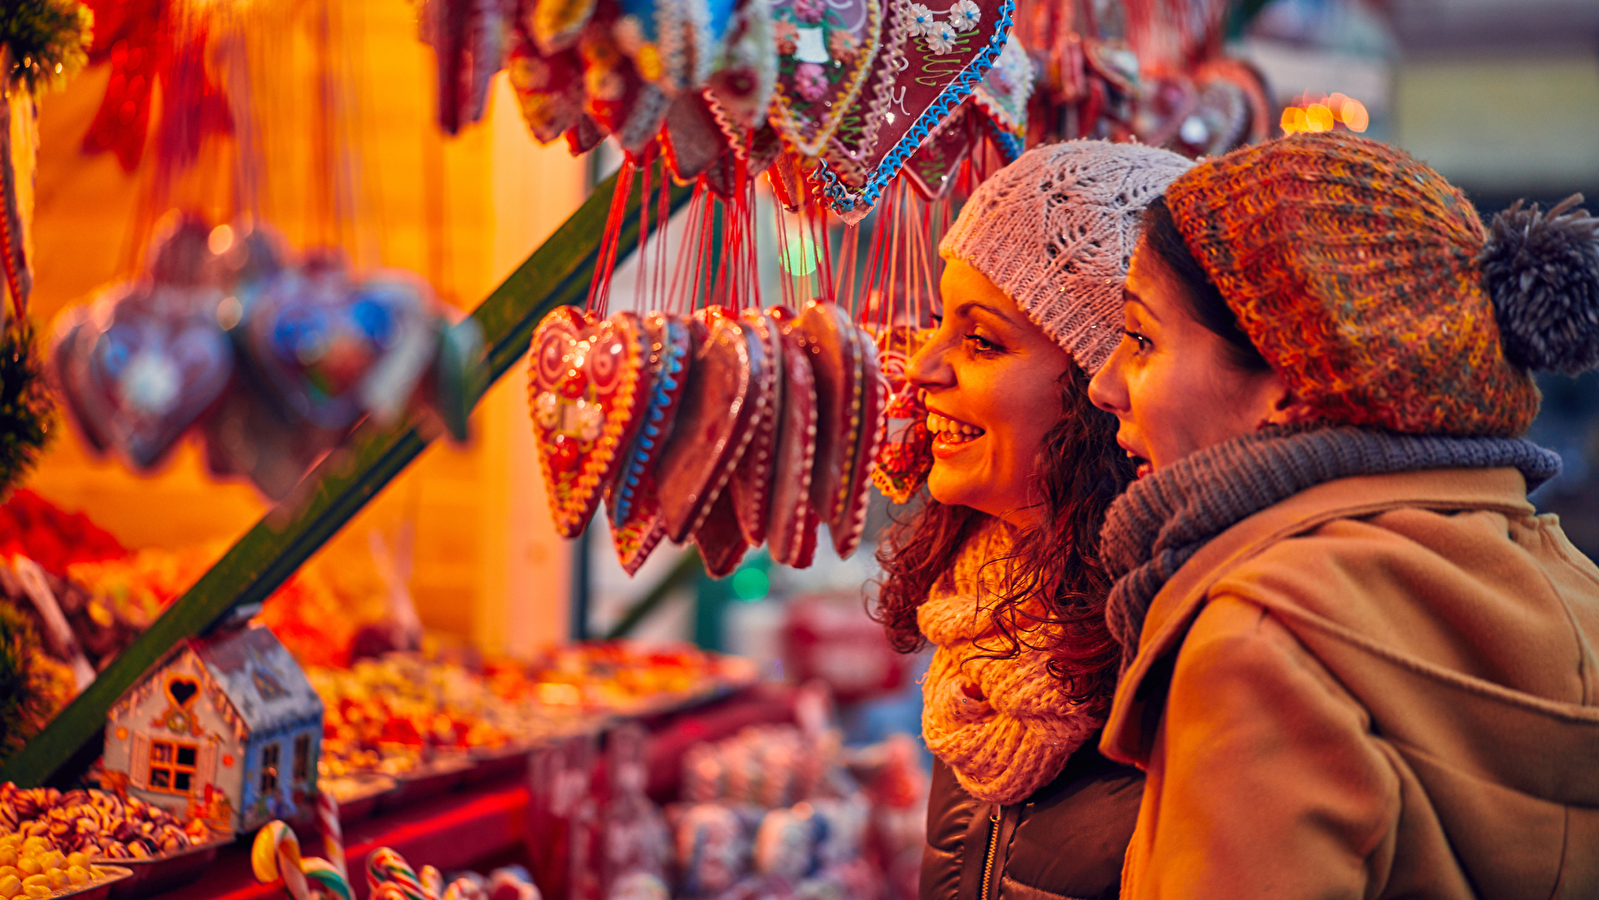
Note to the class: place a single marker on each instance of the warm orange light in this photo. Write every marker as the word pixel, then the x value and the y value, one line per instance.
pixel 1354 114
pixel 1318 118
pixel 1293 119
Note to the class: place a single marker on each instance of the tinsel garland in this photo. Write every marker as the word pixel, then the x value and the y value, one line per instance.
pixel 48 40
pixel 27 410
pixel 33 685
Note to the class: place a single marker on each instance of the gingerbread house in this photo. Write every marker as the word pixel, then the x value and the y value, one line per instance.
pixel 227 729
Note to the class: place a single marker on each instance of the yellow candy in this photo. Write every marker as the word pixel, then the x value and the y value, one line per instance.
pixel 77 874
pixel 54 859
pixel 34 890
pixel 30 865
pixel 79 859
pixel 58 879
pixel 8 855
pixel 36 881
pixel 9 870
pixel 10 886
pixel 34 843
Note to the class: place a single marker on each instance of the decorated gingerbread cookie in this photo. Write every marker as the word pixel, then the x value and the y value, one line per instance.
pixel 790 516
pixel 751 487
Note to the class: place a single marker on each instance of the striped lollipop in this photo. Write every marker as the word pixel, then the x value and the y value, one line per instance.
pixel 385 866
pixel 327 817
pixel 432 881
pixel 328 877
pixel 275 855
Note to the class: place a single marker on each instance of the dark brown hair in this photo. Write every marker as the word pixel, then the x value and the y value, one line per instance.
pixel 1079 471
pixel 1205 302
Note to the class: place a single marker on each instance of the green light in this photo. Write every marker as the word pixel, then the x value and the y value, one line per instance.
pixel 751 584
pixel 799 256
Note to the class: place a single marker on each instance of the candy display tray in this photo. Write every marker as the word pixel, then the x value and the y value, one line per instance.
pixel 155 874
pixel 99 889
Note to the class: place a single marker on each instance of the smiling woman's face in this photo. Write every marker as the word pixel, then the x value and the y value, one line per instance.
pixel 992 383
pixel 1171 381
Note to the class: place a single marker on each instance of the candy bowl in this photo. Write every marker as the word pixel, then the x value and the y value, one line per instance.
pixel 165 871
pixel 100 880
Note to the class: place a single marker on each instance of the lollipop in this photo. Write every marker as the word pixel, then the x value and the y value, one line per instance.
pixel 276 855
pixel 384 866
pixel 328 877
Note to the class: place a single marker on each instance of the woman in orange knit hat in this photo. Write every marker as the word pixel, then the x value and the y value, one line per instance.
pixel 1356 662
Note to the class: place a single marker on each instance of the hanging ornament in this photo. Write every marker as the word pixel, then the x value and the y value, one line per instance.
pixel 824 54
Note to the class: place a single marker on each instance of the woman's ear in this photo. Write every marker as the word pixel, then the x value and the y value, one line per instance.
pixel 1286 407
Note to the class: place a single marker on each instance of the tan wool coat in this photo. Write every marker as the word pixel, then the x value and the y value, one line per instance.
pixel 1383 686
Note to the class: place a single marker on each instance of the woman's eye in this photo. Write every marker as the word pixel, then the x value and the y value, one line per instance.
pixel 982 344
pixel 1140 340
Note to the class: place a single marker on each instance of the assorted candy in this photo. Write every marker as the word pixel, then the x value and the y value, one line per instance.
pixel 730 429
pixel 101 825
pixel 270 359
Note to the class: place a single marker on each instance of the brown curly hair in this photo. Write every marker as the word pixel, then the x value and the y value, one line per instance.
pixel 1079 471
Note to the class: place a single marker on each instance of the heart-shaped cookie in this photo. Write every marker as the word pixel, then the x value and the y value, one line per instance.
pixel 855 492
pixel 751 487
pixel 692 140
pixel 830 344
pixel 824 52
pixel 1001 98
pixel 637 536
pixel 905 455
pixel 152 368
pixel 588 395
pixel 790 518
pixel 671 348
pixel 927 67
pixel 712 427
pixel 548 88
pixel 740 84
pixel 720 539
pixel 616 98
pixel 932 169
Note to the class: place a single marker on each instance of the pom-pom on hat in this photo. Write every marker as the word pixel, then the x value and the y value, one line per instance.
pixel 1055 230
pixel 1369 284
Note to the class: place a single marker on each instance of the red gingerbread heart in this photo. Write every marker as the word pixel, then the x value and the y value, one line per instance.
pixel 791 519
pixel 855 492
pixel 720 539
pixel 637 536
pixel 751 487
pixel 588 394
pixel 713 424
pixel 671 348
pixel 830 342
pixel 824 52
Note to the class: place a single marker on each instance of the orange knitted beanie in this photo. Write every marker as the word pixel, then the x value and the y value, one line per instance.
pixel 1358 272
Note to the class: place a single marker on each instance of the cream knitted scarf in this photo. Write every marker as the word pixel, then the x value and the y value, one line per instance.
pixel 1003 725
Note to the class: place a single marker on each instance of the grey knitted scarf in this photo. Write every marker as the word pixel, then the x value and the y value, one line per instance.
pixel 1164 518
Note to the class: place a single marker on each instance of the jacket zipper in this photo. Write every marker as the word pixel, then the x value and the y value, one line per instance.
pixel 993 848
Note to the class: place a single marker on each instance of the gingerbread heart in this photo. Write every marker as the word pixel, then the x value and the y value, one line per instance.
pixel 671 348
pixel 712 427
pixel 926 67
pixel 830 342
pixel 855 493
pixel 588 395
pixel 616 98
pixel 740 85
pixel 692 140
pixel 932 170
pixel 824 53
pixel 790 519
pixel 69 370
pixel 1002 98
pixel 905 455
pixel 751 487
pixel 153 368
pixel 637 536
pixel 549 89
pixel 720 539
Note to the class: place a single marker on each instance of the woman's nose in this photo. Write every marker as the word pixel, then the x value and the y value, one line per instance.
pixel 927 368
pixel 1108 388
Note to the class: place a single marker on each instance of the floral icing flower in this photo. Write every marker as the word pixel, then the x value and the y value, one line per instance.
pixel 842 44
pixel 810 10
pixel 810 80
pixel 940 38
pixel 786 34
pixel 922 19
pixel 964 15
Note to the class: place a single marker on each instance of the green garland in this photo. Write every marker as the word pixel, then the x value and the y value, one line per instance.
pixel 19 697
pixel 48 39
pixel 27 410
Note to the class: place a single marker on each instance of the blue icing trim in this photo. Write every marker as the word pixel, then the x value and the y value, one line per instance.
pixel 953 95
pixel 665 383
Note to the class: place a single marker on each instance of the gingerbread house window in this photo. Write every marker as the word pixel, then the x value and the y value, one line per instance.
pixel 172 766
pixel 302 758
pixel 269 768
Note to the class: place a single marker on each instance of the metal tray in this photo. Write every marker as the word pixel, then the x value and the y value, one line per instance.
pixel 99 889
pixel 154 874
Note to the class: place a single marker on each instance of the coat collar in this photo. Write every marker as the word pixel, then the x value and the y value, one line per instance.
pixel 1141 695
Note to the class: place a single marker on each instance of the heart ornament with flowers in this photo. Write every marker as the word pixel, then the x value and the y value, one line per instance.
pixel 928 65
pixel 824 52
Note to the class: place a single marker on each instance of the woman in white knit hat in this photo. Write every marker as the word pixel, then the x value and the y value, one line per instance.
pixel 999 568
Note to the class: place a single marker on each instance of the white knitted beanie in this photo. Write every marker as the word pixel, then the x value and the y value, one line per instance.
pixel 1055 230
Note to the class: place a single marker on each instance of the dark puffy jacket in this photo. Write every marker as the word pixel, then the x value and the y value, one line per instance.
pixel 1065 842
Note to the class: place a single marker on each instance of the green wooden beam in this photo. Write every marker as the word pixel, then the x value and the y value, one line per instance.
pixel 556 273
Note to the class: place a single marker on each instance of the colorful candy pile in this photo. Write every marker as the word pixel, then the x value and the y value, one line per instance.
pixel 34 527
pixel 390 877
pixel 99 824
pixel 29 868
